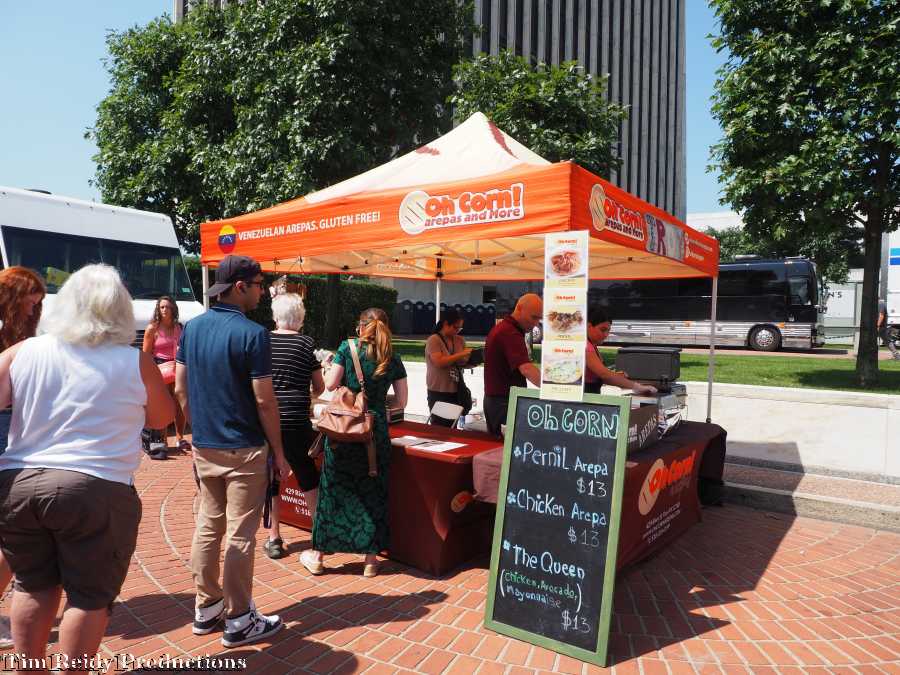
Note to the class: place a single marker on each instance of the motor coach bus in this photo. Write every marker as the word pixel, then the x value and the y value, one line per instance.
pixel 762 304
pixel 57 235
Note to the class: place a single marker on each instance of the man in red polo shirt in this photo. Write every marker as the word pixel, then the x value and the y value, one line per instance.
pixel 506 360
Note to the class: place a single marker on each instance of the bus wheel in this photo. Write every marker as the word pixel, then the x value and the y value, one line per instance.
pixel 765 339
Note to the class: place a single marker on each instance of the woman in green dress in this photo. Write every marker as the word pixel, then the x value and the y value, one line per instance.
pixel 352 514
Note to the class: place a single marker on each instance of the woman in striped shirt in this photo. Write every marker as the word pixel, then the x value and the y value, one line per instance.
pixel 296 375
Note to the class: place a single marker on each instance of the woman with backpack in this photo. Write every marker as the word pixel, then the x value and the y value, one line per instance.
pixel 352 513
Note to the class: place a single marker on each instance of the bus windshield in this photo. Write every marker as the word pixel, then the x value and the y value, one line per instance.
pixel 148 271
pixel 800 290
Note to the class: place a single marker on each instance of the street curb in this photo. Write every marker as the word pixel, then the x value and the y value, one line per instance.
pixel 864 514
pixel 790 467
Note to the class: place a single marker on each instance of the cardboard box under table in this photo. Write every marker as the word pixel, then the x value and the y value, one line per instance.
pixel 436 525
pixel 665 485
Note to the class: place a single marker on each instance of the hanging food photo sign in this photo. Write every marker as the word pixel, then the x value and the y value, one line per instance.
pixel 565 315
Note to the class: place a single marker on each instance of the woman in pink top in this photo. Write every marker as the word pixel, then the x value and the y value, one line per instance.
pixel 595 372
pixel 161 341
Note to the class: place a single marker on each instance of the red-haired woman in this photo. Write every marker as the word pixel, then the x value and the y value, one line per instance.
pixel 21 293
pixel 352 510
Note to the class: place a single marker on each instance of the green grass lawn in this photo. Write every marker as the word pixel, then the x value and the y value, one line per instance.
pixel 776 371
pixel 772 371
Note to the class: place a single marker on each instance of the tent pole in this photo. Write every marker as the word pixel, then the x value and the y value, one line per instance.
pixel 205 284
pixel 439 263
pixel 712 350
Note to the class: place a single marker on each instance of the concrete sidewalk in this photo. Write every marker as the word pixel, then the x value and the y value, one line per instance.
pixel 744 591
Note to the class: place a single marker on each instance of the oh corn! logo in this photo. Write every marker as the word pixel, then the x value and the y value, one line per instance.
pixel 607 213
pixel 420 211
pixel 660 477
pixel 227 239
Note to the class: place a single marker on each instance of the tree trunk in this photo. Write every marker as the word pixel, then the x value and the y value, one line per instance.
pixel 333 318
pixel 867 357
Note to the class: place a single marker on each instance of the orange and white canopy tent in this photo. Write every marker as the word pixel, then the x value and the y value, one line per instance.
pixel 472 205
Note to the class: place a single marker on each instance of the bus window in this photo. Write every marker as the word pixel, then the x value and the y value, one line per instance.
pixel 694 287
pixel 618 289
pixel 54 256
pixel 800 291
pixel 654 289
pixel 750 283
pixel 148 271
pixel 733 283
pixel 81 251
pixel 145 269
pixel 765 282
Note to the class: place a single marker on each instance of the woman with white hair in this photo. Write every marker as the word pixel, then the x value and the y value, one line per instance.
pixel 69 512
pixel 296 374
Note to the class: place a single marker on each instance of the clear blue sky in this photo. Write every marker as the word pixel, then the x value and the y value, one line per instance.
pixel 702 130
pixel 53 78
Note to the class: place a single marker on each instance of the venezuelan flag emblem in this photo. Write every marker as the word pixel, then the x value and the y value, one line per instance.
pixel 227 239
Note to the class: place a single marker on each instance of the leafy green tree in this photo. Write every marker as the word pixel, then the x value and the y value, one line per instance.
pixel 559 112
pixel 239 108
pixel 809 101
pixel 832 253
pixel 733 241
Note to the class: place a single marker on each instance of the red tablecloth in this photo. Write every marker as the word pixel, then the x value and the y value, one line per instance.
pixel 436 525
pixel 664 486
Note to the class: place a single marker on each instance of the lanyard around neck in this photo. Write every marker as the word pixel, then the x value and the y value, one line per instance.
pixel 446 346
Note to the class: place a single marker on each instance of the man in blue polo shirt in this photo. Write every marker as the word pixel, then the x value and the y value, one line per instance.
pixel 223 380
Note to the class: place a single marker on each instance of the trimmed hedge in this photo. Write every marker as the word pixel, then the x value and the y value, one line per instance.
pixel 355 297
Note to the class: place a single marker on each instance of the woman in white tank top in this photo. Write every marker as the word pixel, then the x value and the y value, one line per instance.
pixel 81 395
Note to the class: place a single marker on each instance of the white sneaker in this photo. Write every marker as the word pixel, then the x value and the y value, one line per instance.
pixel 250 627
pixel 6 641
pixel 207 619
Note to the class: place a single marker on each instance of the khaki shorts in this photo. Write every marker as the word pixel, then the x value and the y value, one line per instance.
pixel 69 529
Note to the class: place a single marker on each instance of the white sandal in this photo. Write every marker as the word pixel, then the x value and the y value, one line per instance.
pixel 313 566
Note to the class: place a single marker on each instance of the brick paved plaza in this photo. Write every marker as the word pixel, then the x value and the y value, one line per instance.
pixel 743 591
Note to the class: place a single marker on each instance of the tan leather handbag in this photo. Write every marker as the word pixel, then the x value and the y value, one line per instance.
pixel 347 419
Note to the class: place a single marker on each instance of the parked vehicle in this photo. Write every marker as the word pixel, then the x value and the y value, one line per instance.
pixel 57 235
pixel 763 304
pixel 892 297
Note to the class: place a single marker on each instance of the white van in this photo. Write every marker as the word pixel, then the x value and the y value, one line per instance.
pixel 57 235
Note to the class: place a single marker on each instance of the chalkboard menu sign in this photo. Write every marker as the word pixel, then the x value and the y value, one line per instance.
pixel 556 535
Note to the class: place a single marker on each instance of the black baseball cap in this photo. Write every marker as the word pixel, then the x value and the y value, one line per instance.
pixel 233 268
